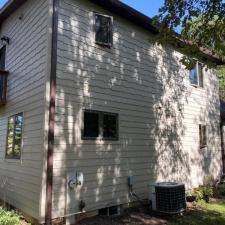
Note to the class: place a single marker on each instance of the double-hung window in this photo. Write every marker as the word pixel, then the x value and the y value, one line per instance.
pixel 14 136
pixel 103 30
pixel 196 76
pixel 100 125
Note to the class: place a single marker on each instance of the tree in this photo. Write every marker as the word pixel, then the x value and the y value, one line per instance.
pixel 200 21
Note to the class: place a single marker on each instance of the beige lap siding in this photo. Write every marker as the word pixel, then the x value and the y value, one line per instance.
pixel 26 62
pixel 159 113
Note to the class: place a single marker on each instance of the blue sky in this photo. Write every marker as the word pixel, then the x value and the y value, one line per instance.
pixel 2 2
pixel 148 7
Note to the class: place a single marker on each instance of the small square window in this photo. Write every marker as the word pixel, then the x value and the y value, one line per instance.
pixel 100 125
pixel 109 126
pixel 196 75
pixel 14 136
pixel 202 136
pixel 103 30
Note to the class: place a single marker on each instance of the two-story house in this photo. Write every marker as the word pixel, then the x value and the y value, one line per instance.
pixel 88 100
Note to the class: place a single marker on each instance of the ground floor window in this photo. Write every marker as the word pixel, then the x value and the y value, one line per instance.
pixel 14 136
pixel 102 125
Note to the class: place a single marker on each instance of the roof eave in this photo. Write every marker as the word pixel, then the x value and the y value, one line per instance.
pixel 127 12
pixel 10 7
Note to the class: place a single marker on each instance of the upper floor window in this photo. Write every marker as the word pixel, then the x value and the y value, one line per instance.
pixel 2 58
pixel 101 125
pixel 14 136
pixel 103 30
pixel 196 75
pixel 202 136
pixel 3 76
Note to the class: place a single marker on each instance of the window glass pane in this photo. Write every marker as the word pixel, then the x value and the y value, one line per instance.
pixel 193 77
pixel 18 134
pixel 200 74
pixel 202 136
pixel 91 124
pixel 9 148
pixel 204 141
pixel 1 86
pixel 14 140
pixel 109 126
pixel 2 58
pixel 2 67
pixel 102 29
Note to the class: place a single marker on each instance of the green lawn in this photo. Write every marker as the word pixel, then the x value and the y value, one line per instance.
pixel 203 214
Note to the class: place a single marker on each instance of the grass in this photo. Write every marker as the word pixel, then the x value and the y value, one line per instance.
pixel 203 214
pixel 10 218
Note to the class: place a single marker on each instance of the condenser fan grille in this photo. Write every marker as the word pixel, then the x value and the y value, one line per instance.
pixel 170 197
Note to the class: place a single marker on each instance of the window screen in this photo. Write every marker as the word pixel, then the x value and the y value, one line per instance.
pixel 103 30
pixel 109 126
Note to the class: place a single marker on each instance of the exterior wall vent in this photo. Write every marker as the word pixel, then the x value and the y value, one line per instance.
pixel 170 197
pixel 110 211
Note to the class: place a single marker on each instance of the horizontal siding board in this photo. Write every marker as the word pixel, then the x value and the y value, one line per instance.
pixel 159 113
pixel 26 61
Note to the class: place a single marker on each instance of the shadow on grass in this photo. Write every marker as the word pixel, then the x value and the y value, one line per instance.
pixel 200 214
pixel 203 214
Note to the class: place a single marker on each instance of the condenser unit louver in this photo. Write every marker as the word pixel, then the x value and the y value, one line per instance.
pixel 170 197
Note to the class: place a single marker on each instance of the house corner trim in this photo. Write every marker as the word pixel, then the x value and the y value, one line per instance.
pixel 50 149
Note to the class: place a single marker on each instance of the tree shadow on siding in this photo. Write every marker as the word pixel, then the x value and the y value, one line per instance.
pixel 142 82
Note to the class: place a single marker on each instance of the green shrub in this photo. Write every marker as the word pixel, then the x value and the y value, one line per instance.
pixel 202 192
pixel 220 190
pixel 9 217
pixel 207 190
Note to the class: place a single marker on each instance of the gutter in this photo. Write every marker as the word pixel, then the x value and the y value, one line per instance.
pixel 50 150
